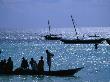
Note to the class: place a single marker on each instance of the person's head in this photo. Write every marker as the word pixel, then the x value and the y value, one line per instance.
pixel 41 57
pixel 4 60
pixel 23 58
pixel 32 59
pixel 9 59
pixel 46 51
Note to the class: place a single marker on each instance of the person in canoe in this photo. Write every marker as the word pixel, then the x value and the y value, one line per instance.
pixel 41 66
pixel 24 63
pixel 2 66
pixel 49 56
pixel 33 65
pixel 10 64
pixel 5 67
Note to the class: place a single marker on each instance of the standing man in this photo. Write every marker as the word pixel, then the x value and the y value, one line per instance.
pixel 49 56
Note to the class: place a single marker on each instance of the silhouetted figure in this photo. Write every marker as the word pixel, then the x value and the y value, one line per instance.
pixel 96 46
pixel 24 63
pixel 0 51
pixel 1 66
pixel 49 56
pixel 33 64
pixel 41 66
pixel 5 67
pixel 10 64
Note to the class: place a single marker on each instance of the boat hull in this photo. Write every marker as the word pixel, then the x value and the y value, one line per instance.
pixel 108 41
pixel 20 71
pixel 50 37
pixel 69 72
pixel 78 41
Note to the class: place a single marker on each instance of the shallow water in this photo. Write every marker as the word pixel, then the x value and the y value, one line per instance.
pixel 96 63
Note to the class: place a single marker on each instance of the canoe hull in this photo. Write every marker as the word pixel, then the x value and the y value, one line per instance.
pixel 69 72
pixel 20 71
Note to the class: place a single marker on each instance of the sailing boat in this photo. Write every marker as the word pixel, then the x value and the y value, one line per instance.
pixel 51 36
pixel 80 41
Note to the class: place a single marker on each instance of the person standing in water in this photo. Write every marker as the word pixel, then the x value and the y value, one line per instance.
pixel 49 56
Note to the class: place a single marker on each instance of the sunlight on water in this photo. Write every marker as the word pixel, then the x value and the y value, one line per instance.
pixel 96 63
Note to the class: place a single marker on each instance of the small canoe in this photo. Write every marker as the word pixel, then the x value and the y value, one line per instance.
pixel 68 72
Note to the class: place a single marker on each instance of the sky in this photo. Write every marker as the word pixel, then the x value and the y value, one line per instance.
pixel 34 14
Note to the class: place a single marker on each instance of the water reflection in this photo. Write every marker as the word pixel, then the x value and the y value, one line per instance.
pixel 96 62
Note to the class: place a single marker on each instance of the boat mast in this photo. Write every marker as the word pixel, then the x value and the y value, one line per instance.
pixel 74 26
pixel 49 27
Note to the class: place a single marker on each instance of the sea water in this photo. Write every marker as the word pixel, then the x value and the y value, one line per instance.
pixel 96 62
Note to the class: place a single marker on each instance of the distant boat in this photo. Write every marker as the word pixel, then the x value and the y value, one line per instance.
pixel 81 41
pixel 108 41
pixel 93 35
pixel 52 36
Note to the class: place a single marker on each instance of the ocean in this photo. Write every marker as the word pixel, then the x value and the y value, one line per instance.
pixel 96 62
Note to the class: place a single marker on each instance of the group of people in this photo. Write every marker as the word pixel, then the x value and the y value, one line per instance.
pixel 34 66
pixel 6 66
